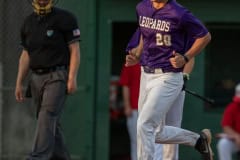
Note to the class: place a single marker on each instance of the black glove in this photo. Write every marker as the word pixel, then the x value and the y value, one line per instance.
pixel 185 79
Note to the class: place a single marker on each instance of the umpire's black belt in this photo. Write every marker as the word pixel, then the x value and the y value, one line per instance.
pixel 147 69
pixel 48 70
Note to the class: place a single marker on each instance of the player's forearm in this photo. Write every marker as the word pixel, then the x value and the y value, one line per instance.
pixel 228 130
pixel 198 46
pixel 23 67
pixel 74 60
pixel 140 47
pixel 138 50
pixel 189 66
pixel 126 96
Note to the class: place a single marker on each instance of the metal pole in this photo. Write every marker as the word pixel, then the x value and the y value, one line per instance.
pixel 1 105
pixel 2 12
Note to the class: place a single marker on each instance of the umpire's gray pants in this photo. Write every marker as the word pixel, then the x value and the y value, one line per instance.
pixel 49 94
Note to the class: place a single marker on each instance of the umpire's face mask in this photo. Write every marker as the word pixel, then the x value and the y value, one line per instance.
pixel 42 7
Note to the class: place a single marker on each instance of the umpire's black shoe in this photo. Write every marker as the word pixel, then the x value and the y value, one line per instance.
pixel 203 144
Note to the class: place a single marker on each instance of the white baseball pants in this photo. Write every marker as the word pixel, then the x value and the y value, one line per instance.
pixel 158 94
pixel 226 148
pixel 173 118
pixel 162 152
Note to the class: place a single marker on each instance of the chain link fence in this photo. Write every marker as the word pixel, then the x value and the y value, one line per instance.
pixel 16 120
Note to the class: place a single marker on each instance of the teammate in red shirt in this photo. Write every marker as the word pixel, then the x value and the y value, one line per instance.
pixel 130 82
pixel 230 140
pixel 130 77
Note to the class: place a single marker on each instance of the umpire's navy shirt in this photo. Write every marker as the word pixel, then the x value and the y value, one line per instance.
pixel 47 38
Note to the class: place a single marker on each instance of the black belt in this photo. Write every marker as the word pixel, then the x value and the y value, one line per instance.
pixel 147 69
pixel 48 70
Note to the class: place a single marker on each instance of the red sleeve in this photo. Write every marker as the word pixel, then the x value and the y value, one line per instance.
pixel 228 115
pixel 124 77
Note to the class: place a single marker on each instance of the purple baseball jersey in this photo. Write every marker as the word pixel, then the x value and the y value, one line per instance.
pixel 134 41
pixel 171 28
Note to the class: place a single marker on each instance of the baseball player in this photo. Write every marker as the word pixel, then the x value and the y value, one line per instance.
pixel 173 118
pixel 174 115
pixel 230 139
pixel 50 40
pixel 165 26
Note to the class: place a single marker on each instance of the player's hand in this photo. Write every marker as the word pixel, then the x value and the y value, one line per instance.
pixel 128 111
pixel 131 59
pixel 19 93
pixel 72 86
pixel 237 140
pixel 177 60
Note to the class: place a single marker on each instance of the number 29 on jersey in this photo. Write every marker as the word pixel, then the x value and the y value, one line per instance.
pixel 163 39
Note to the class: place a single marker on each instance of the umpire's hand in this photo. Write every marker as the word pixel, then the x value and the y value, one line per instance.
pixel 72 86
pixel 19 93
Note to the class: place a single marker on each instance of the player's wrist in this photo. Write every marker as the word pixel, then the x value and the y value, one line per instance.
pixel 137 56
pixel 186 58
pixel 19 83
pixel 72 77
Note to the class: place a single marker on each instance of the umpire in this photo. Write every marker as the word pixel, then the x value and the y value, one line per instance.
pixel 50 40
